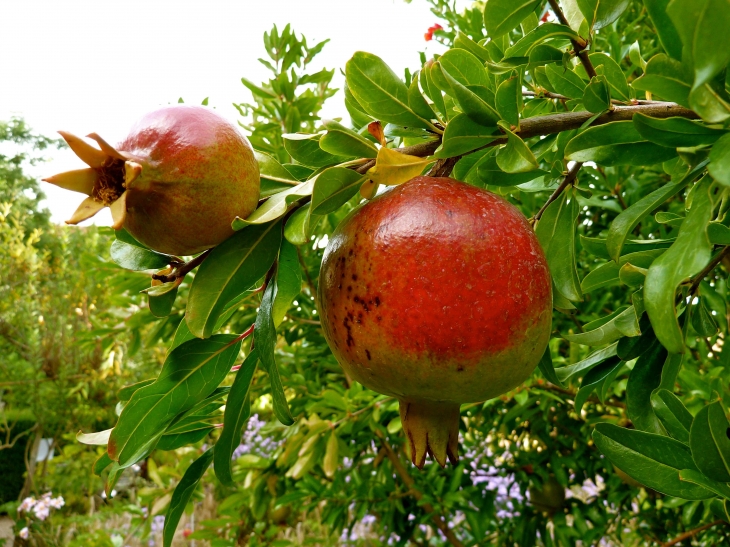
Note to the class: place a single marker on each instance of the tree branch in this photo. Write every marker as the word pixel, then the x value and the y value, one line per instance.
pixel 707 269
pixel 557 123
pixel 567 181
pixel 579 47
pixel 437 519
pixel 692 533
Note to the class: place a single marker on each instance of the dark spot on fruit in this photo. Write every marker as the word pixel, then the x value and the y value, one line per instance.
pixel 349 288
pixel 460 368
pixel 377 301
pixel 350 253
pixel 367 352
pixel 449 213
pixel 379 318
pixel 354 277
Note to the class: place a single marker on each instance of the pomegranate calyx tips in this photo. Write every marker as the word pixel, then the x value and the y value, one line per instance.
pixel 119 211
pixel 108 149
pixel 93 157
pixel 78 180
pixel 132 170
pixel 432 428
pixel 88 208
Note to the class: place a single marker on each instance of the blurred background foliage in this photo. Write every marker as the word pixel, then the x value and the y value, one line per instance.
pixel 74 329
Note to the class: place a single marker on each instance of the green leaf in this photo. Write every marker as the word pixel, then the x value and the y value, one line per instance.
pixel 601 13
pixel 631 347
pixel 709 442
pixel 665 77
pixel 472 99
pixel 178 440
pixel 597 246
pixel 719 166
pixel 687 256
pixel 501 16
pixel 115 473
pixel 125 393
pixel 265 337
pixel 464 67
pixel 161 305
pixel 489 173
pixel 623 324
pixel 702 321
pixel 298 229
pixel 380 92
pixel 507 100
pixel 700 23
pixel 564 81
pixel 276 206
pixel 556 233
pixel 274 176
pixel 625 222
pixel 594 379
pixel 341 141
pixel 431 91
pixel 333 188
pixel 695 477
pixel 610 69
pixel 515 156
pixel 675 418
pixel 288 281
pixel 182 494
pixel 607 274
pixel 305 149
pixel 132 255
pixel 541 34
pixel 597 95
pixel 191 372
pixel 653 460
pixel 668 35
pixel 643 380
pixel 675 132
pixel 566 373
pixel 616 143
pixel 416 101
pixel 546 368
pixel 237 413
pixel 711 102
pixel 230 269
pixel 464 42
pixel 462 135
pixel 101 463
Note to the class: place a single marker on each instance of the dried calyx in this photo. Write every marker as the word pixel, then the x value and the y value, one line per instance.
pixel 105 181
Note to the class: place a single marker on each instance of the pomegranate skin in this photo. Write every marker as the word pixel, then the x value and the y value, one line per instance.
pixel 198 174
pixel 437 293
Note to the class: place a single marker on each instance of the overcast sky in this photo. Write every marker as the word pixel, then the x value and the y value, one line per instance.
pixel 90 66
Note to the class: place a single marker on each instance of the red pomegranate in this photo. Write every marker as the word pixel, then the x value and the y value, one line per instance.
pixel 437 293
pixel 175 183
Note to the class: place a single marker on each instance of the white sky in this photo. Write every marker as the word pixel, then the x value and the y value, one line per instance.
pixel 90 66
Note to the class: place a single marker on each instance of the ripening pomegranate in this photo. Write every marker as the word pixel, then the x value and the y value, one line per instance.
pixel 437 293
pixel 175 183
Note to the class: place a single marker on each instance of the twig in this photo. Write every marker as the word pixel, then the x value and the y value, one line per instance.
pixel 579 47
pixel 437 519
pixel 707 269
pixel 680 538
pixel 443 168
pixel 567 181
pixel 184 269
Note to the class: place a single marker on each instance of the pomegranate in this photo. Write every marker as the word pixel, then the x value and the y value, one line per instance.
pixel 175 183
pixel 436 293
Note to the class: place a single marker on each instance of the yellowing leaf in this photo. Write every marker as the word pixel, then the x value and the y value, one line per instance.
pixel 393 168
